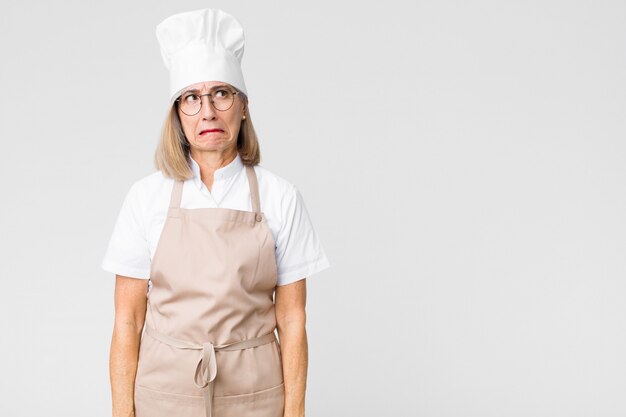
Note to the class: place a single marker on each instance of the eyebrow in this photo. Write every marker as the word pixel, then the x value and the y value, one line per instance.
pixel 195 90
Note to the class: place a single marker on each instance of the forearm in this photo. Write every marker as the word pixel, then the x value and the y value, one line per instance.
pixel 123 368
pixel 294 350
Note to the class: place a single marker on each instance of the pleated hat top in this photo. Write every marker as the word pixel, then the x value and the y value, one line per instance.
pixel 201 45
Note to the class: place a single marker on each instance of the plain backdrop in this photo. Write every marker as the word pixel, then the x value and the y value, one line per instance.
pixel 462 161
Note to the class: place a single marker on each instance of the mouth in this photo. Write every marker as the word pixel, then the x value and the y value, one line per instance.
pixel 206 131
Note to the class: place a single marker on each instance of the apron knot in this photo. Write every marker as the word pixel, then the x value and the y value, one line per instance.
pixel 206 370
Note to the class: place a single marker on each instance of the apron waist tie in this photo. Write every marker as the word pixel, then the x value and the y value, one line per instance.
pixel 206 370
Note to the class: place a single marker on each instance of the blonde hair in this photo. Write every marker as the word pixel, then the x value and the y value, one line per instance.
pixel 173 148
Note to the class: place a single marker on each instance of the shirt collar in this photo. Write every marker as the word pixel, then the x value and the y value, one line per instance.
pixel 222 173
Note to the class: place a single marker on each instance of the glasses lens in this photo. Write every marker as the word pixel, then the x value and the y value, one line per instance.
pixel 190 103
pixel 223 99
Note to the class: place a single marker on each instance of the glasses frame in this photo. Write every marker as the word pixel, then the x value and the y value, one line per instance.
pixel 210 95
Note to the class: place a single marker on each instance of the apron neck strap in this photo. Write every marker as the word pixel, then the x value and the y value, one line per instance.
pixel 254 188
pixel 177 193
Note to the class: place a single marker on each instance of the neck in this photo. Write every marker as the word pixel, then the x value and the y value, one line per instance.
pixel 211 161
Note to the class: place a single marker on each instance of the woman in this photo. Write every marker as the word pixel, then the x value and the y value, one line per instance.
pixel 210 252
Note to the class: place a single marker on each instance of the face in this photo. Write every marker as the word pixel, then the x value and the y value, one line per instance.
pixel 226 122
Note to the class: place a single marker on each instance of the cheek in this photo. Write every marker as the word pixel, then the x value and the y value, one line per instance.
pixel 234 125
pixel 234 121
pixel 187 125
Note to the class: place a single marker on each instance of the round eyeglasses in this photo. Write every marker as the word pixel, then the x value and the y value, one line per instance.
pixel 222 99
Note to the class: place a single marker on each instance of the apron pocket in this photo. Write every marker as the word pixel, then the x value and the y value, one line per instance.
pixel 152 403
pixel 265 403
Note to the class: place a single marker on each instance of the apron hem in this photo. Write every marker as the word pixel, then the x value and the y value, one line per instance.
pixel 278 390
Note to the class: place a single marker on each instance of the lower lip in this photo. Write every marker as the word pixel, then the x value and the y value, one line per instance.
pixel 212 131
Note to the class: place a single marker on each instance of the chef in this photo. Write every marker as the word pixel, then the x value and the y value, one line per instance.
pixel 210 252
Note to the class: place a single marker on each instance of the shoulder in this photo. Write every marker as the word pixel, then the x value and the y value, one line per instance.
pixel 273 183
pixel 147 190
pixel 151 182
pixel 282 194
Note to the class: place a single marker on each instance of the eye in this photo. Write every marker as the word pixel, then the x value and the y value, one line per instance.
pixel 190 98
pixel 222 93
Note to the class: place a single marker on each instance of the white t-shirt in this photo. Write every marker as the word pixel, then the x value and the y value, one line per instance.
pixel 299 252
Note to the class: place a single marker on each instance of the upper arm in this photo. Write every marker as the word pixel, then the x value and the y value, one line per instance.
pixel 127 253
pixel 130 301
pixel 299 252
pixel 290 303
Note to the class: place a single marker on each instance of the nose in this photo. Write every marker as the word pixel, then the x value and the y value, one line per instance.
pixel 207 110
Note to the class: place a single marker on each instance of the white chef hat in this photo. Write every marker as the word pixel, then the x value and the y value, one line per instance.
pixel 201 45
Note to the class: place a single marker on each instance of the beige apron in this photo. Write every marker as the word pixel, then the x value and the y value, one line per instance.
pixel 209 348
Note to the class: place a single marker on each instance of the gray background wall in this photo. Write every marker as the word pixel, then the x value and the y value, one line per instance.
pixel 463 163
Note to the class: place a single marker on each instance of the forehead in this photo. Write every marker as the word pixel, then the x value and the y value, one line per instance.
pixel 206 85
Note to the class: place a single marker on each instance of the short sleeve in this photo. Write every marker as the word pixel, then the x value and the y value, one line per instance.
pixel 127 253
pixel 299 252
